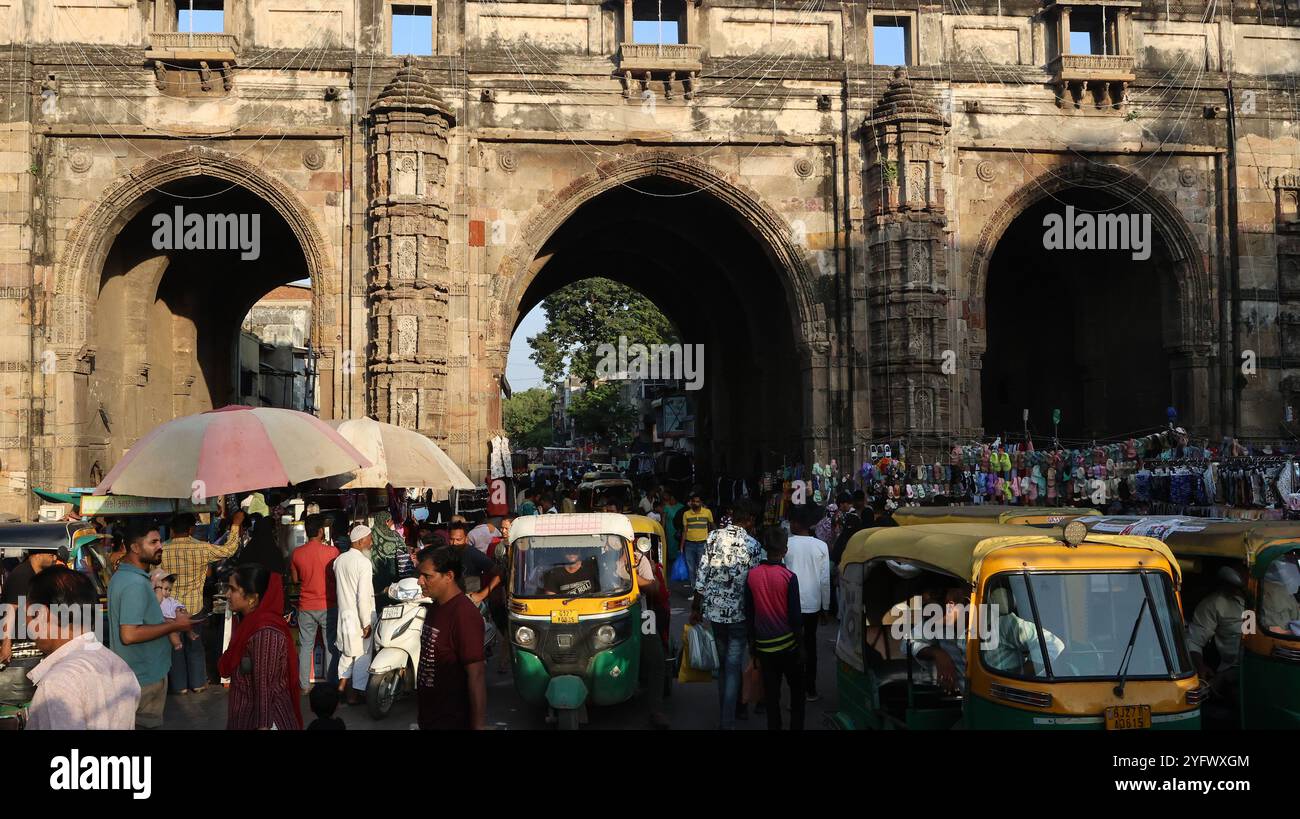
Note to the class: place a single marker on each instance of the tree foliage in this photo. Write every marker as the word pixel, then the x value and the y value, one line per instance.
pixel 602 412
pixel 526 417
pixel 586 314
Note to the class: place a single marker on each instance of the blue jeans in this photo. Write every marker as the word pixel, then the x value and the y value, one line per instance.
pixel 309 624
pixel 694 551
pixel 732 642
pixel 189 666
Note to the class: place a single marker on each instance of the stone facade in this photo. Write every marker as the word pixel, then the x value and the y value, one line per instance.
pixel 827 228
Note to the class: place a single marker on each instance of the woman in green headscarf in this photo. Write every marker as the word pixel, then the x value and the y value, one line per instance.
pixel 383 554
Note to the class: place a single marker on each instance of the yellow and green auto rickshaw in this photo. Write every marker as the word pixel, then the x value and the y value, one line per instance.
pixel 1269 689
pixel 1040 516
pixel 575 612
pixel 601 488
pixel 1062 630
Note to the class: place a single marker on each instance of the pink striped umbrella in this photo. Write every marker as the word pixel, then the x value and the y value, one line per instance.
pixel 232 449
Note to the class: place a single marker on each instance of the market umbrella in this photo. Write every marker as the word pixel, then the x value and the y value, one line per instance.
pixel 232 449
pixel 401 458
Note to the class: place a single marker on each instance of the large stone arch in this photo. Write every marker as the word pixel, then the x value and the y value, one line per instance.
pixel 77 277
pixel 516 270
pixel 86 247
pixel 1192 338
pixel 810 329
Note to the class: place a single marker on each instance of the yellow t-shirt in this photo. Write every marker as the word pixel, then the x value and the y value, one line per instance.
pixel 696 524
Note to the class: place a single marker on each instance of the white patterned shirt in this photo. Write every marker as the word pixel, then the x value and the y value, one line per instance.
pixel 728 556
pixel 83 686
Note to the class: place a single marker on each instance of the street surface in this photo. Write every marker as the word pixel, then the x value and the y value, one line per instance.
pixel 691 706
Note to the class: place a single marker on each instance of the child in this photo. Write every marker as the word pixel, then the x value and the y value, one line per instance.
pixel 162 586
pixel 324 699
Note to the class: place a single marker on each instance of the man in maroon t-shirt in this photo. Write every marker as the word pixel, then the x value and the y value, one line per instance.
pixel 450 686
pixel 312 567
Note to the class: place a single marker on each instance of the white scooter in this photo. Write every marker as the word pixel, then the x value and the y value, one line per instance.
pixel 396 663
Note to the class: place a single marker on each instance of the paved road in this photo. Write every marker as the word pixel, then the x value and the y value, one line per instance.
pixel 691 706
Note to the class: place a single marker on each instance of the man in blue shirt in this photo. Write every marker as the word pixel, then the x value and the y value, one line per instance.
pixel 137 631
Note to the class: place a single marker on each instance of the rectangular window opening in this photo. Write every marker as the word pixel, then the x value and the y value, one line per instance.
pixel 657 21
pixel 413 30
pixel 1087 35
pixel 201 16
pixel 891 39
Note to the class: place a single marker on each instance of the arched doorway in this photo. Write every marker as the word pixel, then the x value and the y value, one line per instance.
pixel 1111 336
pixel 723 277
pixel 175 288
pixel 141 333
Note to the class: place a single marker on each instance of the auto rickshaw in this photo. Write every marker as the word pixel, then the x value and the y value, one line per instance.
pixel 575 612
pixel 1269 688
pixel 599 488
pixel 1063 630
pixel 1040 516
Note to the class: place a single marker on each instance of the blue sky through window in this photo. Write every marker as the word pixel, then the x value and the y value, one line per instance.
pixel 647 31
pixel 201 21
pixel 413 30
pixel 1080 42
pixel 891 46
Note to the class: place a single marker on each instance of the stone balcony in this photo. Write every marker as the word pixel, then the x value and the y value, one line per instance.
pixel 1104 77
pixel 192 46
pixel 647 62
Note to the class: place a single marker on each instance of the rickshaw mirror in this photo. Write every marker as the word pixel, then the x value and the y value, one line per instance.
pixel 643 545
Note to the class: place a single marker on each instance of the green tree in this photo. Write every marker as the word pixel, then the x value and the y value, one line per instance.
pixel 601 411
pixel 586 314
pixel 526 417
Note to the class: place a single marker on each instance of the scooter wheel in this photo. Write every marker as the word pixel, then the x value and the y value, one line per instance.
pixel 381 693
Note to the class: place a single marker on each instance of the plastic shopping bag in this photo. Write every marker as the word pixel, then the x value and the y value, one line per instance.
pixel 702 649
pixel 680 571
pixel 685 673
pixel 751 683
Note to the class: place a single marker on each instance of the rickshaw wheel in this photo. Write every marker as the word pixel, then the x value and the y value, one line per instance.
pixel 567 719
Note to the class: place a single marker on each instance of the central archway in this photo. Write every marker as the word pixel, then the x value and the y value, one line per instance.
pixel 721 267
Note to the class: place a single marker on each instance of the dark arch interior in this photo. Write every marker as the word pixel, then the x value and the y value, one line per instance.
pixel 167 320
pixel 1083 331
pixel 694 257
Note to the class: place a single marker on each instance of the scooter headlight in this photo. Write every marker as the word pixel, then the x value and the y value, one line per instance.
pixel 605 636
pixel 525 636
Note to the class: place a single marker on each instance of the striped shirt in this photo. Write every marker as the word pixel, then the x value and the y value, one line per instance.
pixel 772 610
pixel 188 559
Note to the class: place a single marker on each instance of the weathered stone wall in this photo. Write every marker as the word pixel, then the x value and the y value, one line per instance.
pixel 1206 137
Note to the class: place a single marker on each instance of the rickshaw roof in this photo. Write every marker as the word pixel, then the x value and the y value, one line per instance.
pixel 959 548
pixel 581 523
pixel 604 483
pixel 45 535
pixel 986 513
pixel 643 524
pixel 1229 538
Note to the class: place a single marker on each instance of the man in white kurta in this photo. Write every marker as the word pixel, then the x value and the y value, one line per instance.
pixel 354 584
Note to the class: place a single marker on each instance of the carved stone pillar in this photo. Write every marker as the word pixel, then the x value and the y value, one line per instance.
pixel 408 283
pixel 913 365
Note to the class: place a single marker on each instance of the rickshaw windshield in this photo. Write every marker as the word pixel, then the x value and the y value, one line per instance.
pixel 1083 622
pixel 570 566
pixel 617 495
pixel 1279 613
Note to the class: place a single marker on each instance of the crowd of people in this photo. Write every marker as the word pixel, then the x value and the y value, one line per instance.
pixel 763 594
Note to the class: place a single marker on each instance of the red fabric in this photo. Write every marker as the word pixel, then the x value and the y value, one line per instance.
pixel 314 562
pixel 268 614
pixel 259 700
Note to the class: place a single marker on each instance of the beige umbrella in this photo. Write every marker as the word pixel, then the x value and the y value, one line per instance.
pixel 400 457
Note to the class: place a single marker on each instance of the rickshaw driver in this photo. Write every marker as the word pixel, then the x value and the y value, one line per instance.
pixel 1279 611
pixel 1218 617
pixel 573 577
pixel 946 655
pixel 1017 638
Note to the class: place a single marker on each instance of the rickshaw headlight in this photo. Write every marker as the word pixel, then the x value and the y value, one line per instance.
pixel 524 636
pixel 605 635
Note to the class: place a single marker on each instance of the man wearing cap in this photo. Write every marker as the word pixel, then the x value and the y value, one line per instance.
pixel 354 586
pixel 1218 618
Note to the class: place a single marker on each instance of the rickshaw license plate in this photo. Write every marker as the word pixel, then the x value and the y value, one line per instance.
pixel 1128 717
pixel 567 616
